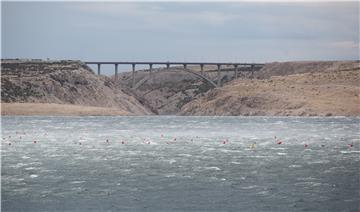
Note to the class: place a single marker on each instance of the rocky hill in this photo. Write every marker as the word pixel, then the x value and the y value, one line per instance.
pixel 62 82
pixel 287 89
pixel 291 88
pixel 167 90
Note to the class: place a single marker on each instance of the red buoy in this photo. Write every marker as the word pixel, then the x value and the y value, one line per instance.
pixel 306 145
pixel 279 142
pixel 34 142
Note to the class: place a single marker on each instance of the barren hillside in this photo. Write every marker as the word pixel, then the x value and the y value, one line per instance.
pixel 291 88
pixel 62 82
pixel 310 89
pixel 167 90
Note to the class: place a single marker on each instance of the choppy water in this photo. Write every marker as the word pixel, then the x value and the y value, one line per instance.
pixel 179 164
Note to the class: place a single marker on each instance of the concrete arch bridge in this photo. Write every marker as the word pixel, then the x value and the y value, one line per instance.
pixel 236 68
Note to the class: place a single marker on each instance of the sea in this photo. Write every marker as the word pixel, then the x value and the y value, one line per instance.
pixel 179 163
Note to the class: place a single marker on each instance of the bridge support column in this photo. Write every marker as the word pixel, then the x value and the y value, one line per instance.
pixel 168 66
pixel 116 71
pixel 133 75
pixel 252 71
pixel 218 76
pixel 202 69
pixel 150 70
pixel 236 71
pixel 98 68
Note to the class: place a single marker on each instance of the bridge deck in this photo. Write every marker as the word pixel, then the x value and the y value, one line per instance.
pixel 175 63
pixel 251 66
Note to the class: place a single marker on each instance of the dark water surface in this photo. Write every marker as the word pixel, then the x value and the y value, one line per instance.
pixel 179 164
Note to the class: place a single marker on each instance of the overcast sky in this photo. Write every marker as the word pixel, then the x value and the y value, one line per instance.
pixel 192 31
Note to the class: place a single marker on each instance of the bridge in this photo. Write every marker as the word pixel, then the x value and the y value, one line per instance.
pixel 252 66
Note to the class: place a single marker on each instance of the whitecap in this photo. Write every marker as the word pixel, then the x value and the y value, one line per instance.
pixel 77 182
pixel 235 162
pixel 33 176
pixel 170 175
pixel 171 161
pixel 312 184
pixel 263 192
pixel 295 166
pixel 277 148
pixel 18 165
pixel 249 187
pixel 281 153
pixel 31 168
pixel 184 155
pixel 212 168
